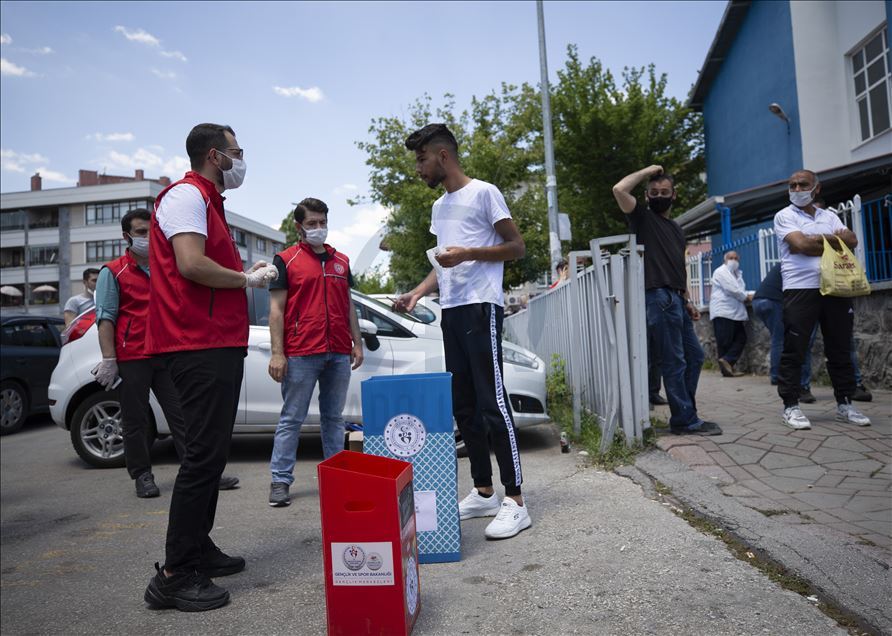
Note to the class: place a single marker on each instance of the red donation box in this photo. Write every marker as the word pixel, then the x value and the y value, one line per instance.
pixel 369 549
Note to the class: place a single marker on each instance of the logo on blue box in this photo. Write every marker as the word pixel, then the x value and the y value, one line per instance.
pixel 405 435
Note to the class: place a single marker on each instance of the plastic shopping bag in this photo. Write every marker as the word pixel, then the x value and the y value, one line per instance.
pixel 841 273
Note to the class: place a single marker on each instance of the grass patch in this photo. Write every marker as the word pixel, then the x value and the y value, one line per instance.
pixel 774 571
pixel 709 365
pixel 560 406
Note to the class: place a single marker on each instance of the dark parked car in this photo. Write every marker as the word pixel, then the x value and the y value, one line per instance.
pixel 29 351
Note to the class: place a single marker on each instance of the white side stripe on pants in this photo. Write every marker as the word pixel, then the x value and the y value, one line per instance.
pixel 500 395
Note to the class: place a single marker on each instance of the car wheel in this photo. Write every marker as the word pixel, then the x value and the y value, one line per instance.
pixel 13 407
pixel 96 431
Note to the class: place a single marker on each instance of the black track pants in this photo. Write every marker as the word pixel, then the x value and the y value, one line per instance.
pixel 473 346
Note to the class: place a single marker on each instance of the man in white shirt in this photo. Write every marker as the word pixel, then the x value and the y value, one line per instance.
pixel 79 303
pixel 801 229
pixel 728 313
pixel 475 236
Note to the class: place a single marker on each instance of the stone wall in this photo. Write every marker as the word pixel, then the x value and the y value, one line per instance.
pixel 873 337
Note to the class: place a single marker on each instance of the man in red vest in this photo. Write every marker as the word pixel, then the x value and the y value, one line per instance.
pixel 122 302
pixel 315 337
pixel 198 323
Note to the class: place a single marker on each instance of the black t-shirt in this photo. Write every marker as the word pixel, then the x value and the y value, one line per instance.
pixel 282 281
pixel 664 248
pixel 771 287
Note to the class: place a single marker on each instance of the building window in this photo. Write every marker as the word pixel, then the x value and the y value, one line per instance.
pixel 12 257
pixel 12 297
pixel 12 221
pixel 870 72
pixel 45 255
pixel 102 213
pixel 241 237
pixel 104 251
pixel 260 244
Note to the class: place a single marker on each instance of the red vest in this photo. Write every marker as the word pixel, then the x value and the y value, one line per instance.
pixel 133 305
pixel 317 310
pixel 186 316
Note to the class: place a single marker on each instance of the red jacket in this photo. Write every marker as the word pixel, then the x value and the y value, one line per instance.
pixel 133 305
pixel 317 309
pixel 186 316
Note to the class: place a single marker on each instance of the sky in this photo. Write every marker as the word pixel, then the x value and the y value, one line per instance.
pixel 116 86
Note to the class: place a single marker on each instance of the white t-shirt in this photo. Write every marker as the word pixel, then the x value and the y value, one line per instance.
pixel 183 209
pixel 728 294
pixel 799 271
pixel 467 218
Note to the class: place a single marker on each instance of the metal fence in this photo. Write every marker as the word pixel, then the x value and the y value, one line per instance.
pixel 596 323
pixel 876 217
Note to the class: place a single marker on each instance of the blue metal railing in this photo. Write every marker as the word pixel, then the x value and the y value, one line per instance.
pixel 877 221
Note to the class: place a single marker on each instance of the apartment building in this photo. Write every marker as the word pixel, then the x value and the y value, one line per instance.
pixel 49 237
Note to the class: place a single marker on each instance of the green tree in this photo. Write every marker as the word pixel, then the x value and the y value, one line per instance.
pixel 374 282
pixel 289 230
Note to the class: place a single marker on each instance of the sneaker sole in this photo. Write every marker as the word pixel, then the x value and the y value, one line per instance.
pixel 157 601
pixel 279 504
pixel 148 495
pixel 846 420
pixel 215 572
pixel 479 515
pixel 797 427
pixel 529 524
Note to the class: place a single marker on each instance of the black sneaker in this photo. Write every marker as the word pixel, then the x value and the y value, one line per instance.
pixel 228 482
pixel 658 400
pixel 278 494
pixel 726 368
pixel 145 486
pixel 218 563
pixel 862 394
pixel 704 428
pixel 186 591
pixel 806 397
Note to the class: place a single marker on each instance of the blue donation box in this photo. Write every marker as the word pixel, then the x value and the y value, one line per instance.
pixel 409 417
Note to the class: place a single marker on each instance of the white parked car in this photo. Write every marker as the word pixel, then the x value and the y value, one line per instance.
pixel 395 345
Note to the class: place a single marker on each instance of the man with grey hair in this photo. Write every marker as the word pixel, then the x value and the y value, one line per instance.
pixel 802 229
pixel 728 313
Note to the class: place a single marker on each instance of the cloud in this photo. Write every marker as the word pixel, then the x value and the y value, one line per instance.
pixel 13 70
pixel 139 35
pixel 177 55
pixel 344 188
pixel 312 95
pixel 127 136
pixel 5 39
pixel 165 75
pixel 43 50
pixel 145 159
pixel 52 175
pixel 13 161
pixel 364 221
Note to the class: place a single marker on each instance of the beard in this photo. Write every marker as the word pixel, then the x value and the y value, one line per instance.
pixel 435 180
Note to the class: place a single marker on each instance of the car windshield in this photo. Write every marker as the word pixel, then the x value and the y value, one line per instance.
pixel 385 306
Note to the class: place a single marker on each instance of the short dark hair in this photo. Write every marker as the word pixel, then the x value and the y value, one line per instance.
pixel 89 272
pixel 432 134
pixel 309 205
pixel 202 138
pixel 561 264
pixel 136 213
pixel 665 176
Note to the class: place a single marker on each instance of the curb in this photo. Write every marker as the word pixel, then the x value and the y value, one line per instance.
pixel 840 571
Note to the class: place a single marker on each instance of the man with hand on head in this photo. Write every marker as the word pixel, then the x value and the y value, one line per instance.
pixel 670 314
pixel 728 313
pixel 801 229
pixel 198 323
pixel 122 303
pixel 475 236
pixel 314 333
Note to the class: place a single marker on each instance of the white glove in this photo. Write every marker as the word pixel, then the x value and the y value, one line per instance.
pixel 106 373
pixel 261 276
pixel 257 266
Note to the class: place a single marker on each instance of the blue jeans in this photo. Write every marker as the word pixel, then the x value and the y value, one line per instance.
pixel 332 370
pixel 680 353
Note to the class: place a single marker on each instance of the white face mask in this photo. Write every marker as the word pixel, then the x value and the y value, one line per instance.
pixel 139 245
pixel 733 266
pixel 316 237
pixel 802 198
pixel 235 176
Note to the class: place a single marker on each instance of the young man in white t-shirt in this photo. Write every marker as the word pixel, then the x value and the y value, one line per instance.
pixel 475 236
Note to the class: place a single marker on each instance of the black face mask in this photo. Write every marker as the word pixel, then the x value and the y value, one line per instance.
pixel 659 204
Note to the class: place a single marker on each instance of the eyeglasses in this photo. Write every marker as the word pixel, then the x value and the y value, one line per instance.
pixel 238 152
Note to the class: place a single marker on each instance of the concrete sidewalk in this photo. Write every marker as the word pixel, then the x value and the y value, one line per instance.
pixel 835 475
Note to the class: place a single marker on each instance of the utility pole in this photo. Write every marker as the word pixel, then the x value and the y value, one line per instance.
pixel 554 243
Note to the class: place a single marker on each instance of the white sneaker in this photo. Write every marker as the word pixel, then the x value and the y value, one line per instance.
pixel 512 518
pixel 476 506
pixel 795 419
pixel 849 414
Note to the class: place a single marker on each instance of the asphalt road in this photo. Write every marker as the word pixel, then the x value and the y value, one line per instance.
pixel 77 549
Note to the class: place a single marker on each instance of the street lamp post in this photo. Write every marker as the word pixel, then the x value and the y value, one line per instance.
pixel 554 243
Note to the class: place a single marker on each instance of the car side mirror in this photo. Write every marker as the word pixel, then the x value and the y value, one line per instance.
pixel 369 331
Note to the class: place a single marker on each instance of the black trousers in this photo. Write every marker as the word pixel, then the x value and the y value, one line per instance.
pixel 209 382
pixel 730 338
pixel 473 345
pixel 803 308
pixel 137 378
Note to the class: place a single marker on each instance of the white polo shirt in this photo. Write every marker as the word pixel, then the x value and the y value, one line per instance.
pixel 799 271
